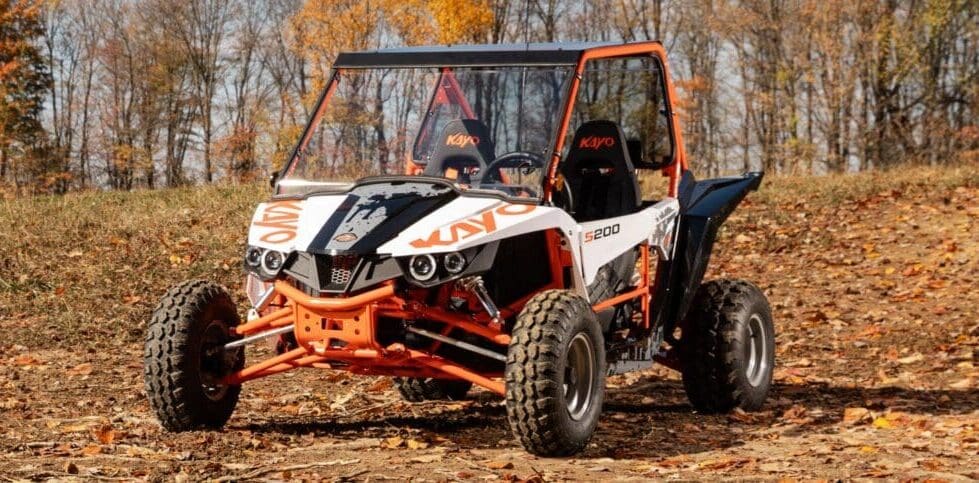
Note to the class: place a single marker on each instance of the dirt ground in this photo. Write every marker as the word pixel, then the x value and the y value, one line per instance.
pixel 873 283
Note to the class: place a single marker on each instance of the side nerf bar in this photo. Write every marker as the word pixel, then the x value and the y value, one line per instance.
pixel 704 206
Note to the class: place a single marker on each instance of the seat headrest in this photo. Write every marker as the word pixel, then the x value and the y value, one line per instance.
pixel 599 140
pixel 462 142
pixel 599 172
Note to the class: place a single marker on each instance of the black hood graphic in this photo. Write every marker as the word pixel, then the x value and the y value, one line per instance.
pixel 374 213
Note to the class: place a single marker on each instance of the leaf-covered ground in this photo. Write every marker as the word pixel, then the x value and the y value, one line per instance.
pixel 873 280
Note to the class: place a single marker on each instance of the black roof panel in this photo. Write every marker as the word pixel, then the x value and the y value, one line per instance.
pixel 559 53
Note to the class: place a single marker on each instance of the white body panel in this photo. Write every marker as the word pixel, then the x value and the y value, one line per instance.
pixel 469 221
pixel 601 241
pixel 291 225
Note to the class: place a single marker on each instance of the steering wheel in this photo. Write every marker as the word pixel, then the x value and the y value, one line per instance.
pixel 516 159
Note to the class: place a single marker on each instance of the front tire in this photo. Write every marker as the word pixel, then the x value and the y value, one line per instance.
pixel 727 347
pixel 555 374
pixel 184 361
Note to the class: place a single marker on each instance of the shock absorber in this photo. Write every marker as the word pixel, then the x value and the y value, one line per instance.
pixel 476 286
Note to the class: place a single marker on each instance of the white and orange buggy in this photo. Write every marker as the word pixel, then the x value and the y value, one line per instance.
pixel 472 215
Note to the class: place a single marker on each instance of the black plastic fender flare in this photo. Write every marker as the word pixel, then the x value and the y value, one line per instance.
pixel 704 206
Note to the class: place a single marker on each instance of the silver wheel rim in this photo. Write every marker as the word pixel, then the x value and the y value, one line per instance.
pixel 579 376
pixel 757 368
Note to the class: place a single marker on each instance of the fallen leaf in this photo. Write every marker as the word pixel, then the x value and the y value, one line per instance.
pixel 416 444
pixel 773 467
pixel 911 359
pixel 740 415
pixel 800 363
pixel 429 458
pixel 796 414
pixel 82 369
pixel 723 463
pixel 393 442
pixel 77 428
pixel 26 360
pixel 882 423
pixel 92 450
pixel 105 434
pixel 855 415
pixel 962 384
pixel 499 465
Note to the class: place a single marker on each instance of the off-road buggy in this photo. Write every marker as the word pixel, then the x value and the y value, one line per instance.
pixel 472 215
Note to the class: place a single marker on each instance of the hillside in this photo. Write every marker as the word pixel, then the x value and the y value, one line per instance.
pixel 872 279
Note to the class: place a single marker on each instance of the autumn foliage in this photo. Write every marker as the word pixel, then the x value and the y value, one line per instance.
pixel 153 93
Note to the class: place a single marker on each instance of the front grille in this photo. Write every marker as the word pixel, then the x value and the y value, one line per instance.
pixel 323 273
pixel 341 269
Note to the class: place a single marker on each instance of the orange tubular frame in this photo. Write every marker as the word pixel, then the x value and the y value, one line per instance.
pixel 364 355
pixel 392 360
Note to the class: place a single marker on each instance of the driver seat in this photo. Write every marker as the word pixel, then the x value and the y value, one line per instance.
pixel 600 174
pixel 465 147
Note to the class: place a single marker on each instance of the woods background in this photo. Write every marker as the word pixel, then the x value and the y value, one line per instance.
pixel 120 94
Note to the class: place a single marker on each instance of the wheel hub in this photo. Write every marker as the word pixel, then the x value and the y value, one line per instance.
pixel 579 376
pixel 215 361
pixel 757 357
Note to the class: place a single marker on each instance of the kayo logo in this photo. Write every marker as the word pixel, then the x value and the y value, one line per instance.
pixel 484 222
pixel 461 140
pixel 283 218
pixel 597 142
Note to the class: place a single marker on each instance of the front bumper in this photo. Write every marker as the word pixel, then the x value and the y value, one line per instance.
pixel 340 333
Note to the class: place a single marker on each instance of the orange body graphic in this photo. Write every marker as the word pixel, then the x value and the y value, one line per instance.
pixel 597 142
pixel 484 222
pixel 462 140
pixel 283 218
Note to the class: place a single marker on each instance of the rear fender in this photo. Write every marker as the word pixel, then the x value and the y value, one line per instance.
pixel 704 205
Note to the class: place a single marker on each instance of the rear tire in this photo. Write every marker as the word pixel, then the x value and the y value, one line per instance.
pixel 418 389
pixel 727 347
pixel 183 362
pixel 555 374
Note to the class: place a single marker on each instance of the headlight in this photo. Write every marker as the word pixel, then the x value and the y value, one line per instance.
pixel 272 261
pixel 422 267
pixel 454 262
pixel 264 263
pixel 253 257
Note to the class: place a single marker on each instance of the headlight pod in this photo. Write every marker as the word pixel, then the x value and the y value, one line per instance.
pixel 253 257
pixel 427 269
pixel 422 267
pixel 272 261
pixel 264 262
pixel 454 262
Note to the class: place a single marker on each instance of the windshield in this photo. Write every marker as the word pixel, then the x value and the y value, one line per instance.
pixel 483 128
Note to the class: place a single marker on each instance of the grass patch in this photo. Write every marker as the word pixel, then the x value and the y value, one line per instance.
pixel 93 264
